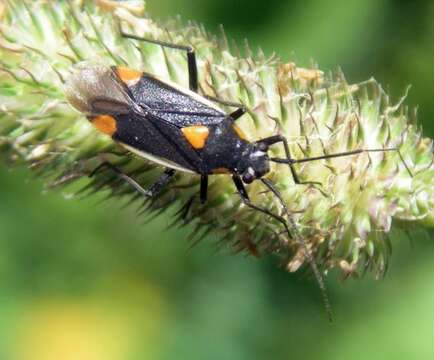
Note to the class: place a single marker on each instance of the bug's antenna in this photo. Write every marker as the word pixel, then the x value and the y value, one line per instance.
pixel 291 161
pixel 299 238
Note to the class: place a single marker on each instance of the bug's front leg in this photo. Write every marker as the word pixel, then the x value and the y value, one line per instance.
pixel 234 115
pixel 246 200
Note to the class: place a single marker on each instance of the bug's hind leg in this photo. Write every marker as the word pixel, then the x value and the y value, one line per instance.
pixel 191 56
pixel 153 190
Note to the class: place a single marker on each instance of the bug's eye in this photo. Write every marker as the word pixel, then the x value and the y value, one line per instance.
pixel 248 178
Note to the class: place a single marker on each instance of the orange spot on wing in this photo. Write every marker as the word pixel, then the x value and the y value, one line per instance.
pixel 196 135
pixel 239 132
pixel 105 123
pixel 128 76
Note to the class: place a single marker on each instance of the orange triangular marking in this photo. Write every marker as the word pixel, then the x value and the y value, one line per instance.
pixel 196 135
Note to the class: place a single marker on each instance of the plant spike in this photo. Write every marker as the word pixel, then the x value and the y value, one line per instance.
pixel 344 222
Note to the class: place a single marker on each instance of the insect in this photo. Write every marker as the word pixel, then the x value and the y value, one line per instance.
pixel 183 131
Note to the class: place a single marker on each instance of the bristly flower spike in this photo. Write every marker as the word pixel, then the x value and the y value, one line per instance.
pixel 343 213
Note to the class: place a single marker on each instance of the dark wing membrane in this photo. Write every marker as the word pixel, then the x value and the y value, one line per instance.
pixel 152 136
pixel 172 105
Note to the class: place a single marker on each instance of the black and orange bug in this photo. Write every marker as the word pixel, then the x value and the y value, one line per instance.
pixel 182 131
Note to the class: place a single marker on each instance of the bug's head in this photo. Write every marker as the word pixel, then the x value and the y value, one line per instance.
pixel 255 164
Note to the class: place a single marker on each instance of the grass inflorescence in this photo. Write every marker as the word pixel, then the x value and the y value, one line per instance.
pixel 344 222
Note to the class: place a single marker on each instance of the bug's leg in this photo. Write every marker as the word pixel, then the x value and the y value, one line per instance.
pixel 246 200
pixel 191 56
pixel 153 190
pixel 101 167
pixel 203 188
pixel 290 161
pixel 240 111
pixel 224 102
pixel 299 238
pixel 244 196
pixel 192 71
pixel 160 183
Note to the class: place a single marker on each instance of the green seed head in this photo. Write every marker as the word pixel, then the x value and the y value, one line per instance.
pixel 344 220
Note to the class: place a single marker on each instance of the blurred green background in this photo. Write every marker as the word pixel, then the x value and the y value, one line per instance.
pixel 81 280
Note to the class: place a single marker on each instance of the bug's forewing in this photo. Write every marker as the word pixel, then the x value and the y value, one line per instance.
pixel 175 105
pixel 149 135
pixel 94 89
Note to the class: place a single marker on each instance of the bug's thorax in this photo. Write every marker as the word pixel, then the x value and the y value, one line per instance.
pixel 227 151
